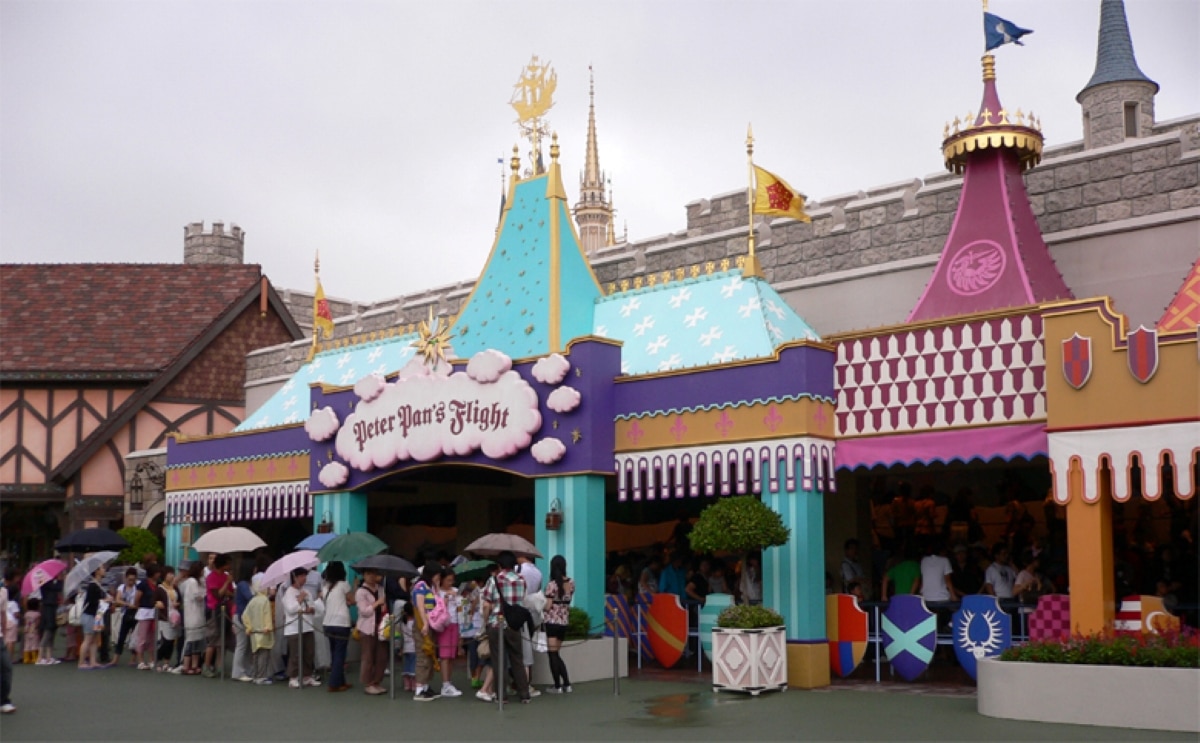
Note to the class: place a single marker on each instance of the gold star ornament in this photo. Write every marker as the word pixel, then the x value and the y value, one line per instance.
pixel 576 436
pixel 434 340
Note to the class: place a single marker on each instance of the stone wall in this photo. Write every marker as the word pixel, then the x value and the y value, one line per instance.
pixel 216 246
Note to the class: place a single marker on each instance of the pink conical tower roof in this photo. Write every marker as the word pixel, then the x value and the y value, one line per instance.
pixel 994 256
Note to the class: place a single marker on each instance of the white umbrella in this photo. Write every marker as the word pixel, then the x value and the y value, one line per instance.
pixel 84 569
pixel 228 539
pixel 490 545
pixel 280 570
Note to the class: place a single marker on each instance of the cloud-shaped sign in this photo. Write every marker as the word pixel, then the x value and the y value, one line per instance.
pixel 334 475
pixel 421 418
pixel 322 424
pixel 370 387
pixel 551 369
pixel 564 399
pixel 548 450
pixel 486 367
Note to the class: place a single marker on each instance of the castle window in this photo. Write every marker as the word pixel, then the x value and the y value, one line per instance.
pixel 1131 111
pixel 1087 130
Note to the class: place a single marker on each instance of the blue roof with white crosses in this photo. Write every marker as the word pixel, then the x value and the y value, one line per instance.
pixel 712 319
pixel 339 367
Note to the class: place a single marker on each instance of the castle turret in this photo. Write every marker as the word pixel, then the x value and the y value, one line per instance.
pixel 215 247
pixel 994 256
pixel 593 212
pixel 1118 102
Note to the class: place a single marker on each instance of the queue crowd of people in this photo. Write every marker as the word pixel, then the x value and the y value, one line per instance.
pixel 180 622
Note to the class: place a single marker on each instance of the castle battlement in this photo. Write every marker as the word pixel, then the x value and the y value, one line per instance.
pixel 215 246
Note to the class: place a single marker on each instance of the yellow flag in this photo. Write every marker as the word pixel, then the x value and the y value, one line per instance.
pixel 322 317
pixel 772 195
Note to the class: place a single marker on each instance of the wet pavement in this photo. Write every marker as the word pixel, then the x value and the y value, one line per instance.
pixel 62 703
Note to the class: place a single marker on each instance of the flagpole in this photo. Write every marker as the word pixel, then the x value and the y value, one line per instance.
pixel 316 282
pixel 751 269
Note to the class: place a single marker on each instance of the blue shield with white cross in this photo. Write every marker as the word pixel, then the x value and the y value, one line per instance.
pixel 981 630
pixel 909 635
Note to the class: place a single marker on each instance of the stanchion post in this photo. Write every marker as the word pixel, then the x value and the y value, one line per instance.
pixel 300 644
pixel 392 654
pixel 221 629
pixel 616 658
pixel 501 683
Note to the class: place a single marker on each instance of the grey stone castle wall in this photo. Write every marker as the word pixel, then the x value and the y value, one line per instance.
pixel 1130 186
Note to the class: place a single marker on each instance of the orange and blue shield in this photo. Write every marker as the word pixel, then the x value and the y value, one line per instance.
pixel 1142 348
pixel 909 635
pixel 1077 360
pixel 846 627
pixel 666 624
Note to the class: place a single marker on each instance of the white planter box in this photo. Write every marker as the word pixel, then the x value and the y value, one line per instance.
pixel 750 660
pixel 1114 696
pixel 587 660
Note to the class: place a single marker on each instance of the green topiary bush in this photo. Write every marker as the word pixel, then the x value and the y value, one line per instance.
pixel 1168 650
pixel 739 524
pixel 579 625
pixel 141 542
pixel 741 616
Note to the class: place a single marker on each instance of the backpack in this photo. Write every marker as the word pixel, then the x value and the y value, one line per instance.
pixel 439 615
pixel 516 616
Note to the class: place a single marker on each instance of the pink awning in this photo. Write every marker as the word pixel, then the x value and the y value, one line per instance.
pixel 1024 440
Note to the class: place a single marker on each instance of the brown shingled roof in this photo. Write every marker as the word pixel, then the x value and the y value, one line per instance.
pixel 110 318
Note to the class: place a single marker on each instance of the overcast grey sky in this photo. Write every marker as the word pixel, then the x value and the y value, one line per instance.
pixel 371 130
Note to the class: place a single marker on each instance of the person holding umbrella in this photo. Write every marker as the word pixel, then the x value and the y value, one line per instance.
pixel 297 609
pixel 91 621
pixel 51 597
pixel 218 590
pixel 336 593
pixel 193 618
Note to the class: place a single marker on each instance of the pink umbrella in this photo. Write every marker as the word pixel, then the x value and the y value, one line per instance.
pixel 280 570
pixel 41 574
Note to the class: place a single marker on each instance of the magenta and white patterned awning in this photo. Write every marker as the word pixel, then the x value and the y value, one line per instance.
pixel 280 500
pixel 803 462
pixel 1023 441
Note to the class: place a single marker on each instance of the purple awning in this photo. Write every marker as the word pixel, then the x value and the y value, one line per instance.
pixel 1025 440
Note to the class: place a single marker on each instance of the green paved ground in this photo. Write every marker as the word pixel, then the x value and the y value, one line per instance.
pixel 61 703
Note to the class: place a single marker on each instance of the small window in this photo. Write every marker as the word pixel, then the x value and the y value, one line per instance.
pixel 1087 130
pixel 1131 111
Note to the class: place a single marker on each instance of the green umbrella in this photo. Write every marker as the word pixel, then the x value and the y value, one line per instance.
pixel 351 547
pixel 473 570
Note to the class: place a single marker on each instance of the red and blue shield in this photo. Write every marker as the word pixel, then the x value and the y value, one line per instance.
pixel 909 635
pixel 846 626
pixel 981 630
pixel 1077 360
pixel 1142 347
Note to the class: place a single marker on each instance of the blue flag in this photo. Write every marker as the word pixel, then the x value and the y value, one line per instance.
pixel 997 31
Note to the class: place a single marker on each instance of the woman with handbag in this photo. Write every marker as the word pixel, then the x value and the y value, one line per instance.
pixel 169 619
pixel 370 600
pixel 559 592
pixel 448 636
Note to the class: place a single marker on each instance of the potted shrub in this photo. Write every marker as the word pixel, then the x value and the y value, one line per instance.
pixel 1146 681
pixel 749 642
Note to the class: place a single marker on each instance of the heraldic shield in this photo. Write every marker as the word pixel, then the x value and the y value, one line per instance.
pixel 1077 360
pixel 981 630
pixel 909 635
pixel 846 626
pixel 667 625
pixel 1142 347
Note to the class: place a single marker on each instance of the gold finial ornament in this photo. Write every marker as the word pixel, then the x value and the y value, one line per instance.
pixel 515 162
pixel 752 267
pixel 532 98
pixel 554 147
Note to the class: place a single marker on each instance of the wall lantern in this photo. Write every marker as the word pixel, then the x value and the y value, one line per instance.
pixel 554 517
pixel 326 525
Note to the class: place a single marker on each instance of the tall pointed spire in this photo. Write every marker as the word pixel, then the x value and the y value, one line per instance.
pixel 994 256
pixel 593 212
pixel 1114 50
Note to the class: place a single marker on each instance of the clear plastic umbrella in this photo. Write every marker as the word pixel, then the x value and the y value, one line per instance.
pixel 84 569
pixel 279 570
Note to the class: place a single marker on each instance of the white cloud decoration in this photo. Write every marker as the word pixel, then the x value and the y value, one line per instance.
pixel 548 451
pixel 370 387
pixel 564 399
pixel 487 366
pixel 322 424
pixel 551 369
pixel 334 475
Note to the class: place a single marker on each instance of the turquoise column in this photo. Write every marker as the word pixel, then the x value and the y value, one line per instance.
pixel 794 574
pixel 580 538
pixel 174 552
pixel 346 509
